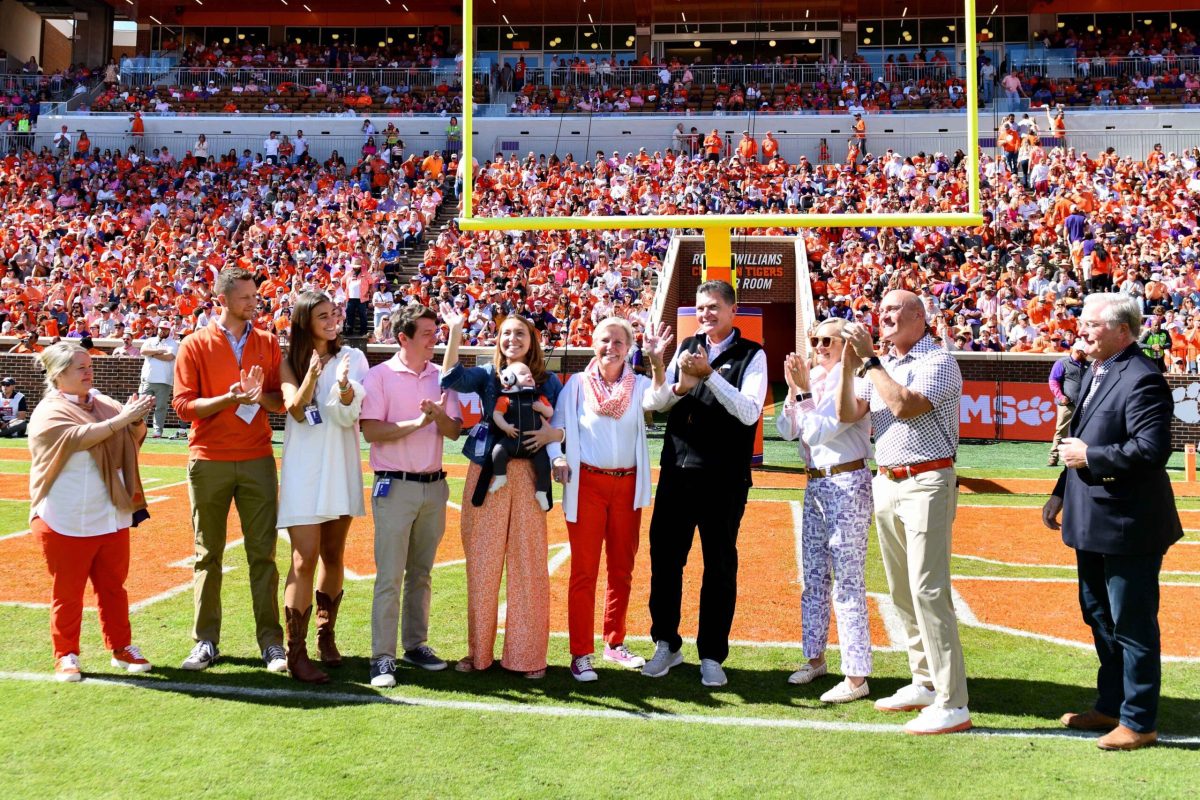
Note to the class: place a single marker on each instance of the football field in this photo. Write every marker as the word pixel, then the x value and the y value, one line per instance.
pixel 237 731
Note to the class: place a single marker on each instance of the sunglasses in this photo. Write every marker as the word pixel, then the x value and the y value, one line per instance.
pixel 822 341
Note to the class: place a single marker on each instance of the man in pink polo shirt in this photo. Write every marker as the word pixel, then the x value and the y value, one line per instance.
pixel 404 416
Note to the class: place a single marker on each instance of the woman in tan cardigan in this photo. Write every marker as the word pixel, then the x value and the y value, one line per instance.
pixel 85 493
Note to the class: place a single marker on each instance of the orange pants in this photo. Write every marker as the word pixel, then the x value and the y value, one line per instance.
pixel 72 560
pixel 607 519
pixel 507 534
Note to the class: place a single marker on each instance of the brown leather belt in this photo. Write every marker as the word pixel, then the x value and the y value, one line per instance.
pixel 612 473
pixel 825 472
pixel 905 471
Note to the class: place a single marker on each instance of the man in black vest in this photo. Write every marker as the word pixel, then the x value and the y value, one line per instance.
pixel 715 387
pixel 1066 376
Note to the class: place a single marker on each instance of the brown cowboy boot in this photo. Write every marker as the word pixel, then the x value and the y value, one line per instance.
pixel 327 611
pixel 298 662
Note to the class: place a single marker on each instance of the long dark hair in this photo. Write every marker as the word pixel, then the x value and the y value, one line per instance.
pixel 300 338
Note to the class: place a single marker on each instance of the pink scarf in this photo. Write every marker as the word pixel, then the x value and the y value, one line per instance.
pixel 608 401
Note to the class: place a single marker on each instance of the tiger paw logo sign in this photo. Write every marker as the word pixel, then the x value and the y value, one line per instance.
pixel 1187 403
pixel 1017 411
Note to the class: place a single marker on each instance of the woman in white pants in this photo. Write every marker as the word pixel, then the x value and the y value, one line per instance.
pixel 837 514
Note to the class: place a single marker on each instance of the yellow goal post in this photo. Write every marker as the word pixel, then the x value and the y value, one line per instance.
pixel 717 227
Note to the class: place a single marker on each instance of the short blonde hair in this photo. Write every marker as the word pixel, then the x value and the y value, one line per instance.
pixel 56 359
pixel 614 322
pixel 837 322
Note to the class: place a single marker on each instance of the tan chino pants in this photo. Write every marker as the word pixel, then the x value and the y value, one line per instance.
pixel 913 518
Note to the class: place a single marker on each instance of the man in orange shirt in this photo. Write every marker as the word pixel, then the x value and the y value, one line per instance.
pixel 226 380
pixel 747 148
pixel 769 147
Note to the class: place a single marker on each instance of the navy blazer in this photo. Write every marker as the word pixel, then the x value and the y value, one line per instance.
pixel 1121 503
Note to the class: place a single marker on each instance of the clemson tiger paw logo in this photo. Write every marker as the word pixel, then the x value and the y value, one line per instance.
pixel 1035 411
pixel 1187 403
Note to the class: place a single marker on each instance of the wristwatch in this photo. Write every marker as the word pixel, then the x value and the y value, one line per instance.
pixel 802 396
pixel 868 365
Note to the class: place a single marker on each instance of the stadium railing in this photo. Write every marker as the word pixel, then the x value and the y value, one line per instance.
pixel 412 77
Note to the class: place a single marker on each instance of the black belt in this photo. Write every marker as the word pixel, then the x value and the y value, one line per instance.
pixel 416 477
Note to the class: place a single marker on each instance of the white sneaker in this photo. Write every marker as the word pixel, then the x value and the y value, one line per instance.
pixel 275 658
pixel 808 673
pixel 846 692
pixel 913 697
pixel 202 656
pixel 711 673
pixel 543 500
pixel 662 661
pixel 66 669
pixel 497 483
pixel 582 670
pixel 937 719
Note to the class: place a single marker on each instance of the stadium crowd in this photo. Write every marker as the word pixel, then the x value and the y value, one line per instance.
pixel 105 243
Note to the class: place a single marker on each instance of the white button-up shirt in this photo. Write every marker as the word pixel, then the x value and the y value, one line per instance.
pixel 824 440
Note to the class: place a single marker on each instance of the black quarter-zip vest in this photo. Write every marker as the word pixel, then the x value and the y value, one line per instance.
pixel 701 434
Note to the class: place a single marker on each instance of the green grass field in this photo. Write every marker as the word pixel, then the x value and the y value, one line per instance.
pixel 237 731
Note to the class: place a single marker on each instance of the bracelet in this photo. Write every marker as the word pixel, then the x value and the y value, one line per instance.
pixel 349 387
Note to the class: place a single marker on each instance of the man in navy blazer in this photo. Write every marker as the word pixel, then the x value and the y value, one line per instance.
pixel 1118 513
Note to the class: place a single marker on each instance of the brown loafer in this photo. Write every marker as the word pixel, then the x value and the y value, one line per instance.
pixel 1090 721
pixel 1123 738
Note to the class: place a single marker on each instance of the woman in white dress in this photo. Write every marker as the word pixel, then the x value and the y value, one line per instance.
pixel 321 484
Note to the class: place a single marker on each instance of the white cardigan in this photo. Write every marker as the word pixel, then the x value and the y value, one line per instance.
pixel 566 416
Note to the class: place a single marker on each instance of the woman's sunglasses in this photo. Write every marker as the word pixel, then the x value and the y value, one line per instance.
pixel 822 341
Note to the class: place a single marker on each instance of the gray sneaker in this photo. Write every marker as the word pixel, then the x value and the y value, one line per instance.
pixel 662 661
pixel 201 657
pixel 274 658
pixel 711 673
pixel 425 658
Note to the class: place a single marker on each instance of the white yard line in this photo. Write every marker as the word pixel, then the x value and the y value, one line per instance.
pixel 544 709
pixel 798 531
pixel 1023 565
pixel 891 621
pixel 967 617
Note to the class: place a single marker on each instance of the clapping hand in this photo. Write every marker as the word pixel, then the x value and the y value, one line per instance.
pixel 795 372
pixel 248 390
pixel 343 371
pixel 656 341
pixel 859 339
pixel 432 410
pixel 696 365
pixel 314 366
pixel 137 407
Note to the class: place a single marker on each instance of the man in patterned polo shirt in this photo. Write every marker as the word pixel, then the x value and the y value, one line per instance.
pixel 912 394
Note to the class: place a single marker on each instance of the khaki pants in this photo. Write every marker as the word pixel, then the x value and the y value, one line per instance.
pixel 409 524
pixel 1061 424
pixel 252 486
pixel 913 518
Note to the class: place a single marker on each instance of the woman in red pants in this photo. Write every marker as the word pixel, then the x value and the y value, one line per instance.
pixel 85 493
pixel 606 470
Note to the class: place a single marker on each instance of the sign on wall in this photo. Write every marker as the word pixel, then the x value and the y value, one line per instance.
pixel 1023 412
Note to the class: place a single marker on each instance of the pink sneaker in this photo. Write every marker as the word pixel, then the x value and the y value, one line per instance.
pixel 619 654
